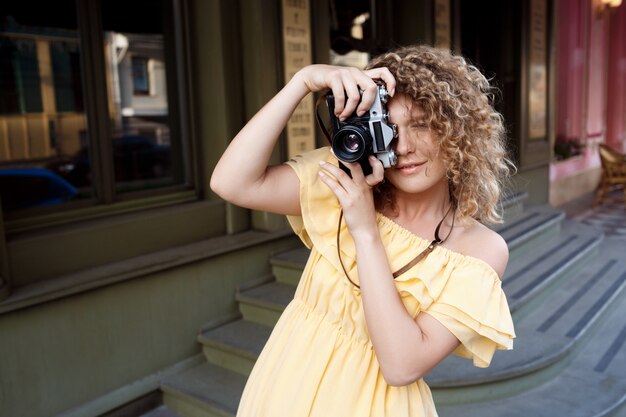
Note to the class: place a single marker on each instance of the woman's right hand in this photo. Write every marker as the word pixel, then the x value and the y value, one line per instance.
pixel 242 175
pixel 346 81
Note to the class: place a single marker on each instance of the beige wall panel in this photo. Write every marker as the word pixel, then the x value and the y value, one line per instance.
pixel 5 149
pixel 69 127
pixel 18 137
pixel 38 135
pixel 45 75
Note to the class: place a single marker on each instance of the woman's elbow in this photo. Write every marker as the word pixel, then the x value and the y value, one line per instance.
pixel 401 377
pixel 220 187
pixel 214 183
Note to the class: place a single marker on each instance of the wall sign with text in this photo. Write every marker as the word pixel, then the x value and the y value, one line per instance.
pixel 297 54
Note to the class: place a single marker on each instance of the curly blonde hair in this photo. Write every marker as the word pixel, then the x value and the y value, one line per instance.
pixel 456 99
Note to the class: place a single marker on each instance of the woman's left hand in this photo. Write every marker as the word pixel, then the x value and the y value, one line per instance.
pixel 355 194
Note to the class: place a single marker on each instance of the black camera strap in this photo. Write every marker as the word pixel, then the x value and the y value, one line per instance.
pixel 423 254
pixel 320 122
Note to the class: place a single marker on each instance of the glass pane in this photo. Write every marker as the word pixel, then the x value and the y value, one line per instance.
pixel 44 157
pixel 147 148
pixel 141 80
pixel 351 33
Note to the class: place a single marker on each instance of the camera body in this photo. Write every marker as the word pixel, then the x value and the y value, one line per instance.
pixel 356 138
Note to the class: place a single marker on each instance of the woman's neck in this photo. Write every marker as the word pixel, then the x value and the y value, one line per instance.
pixel 430 204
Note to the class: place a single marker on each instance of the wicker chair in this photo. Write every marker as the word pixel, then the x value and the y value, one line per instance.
pixel 613 175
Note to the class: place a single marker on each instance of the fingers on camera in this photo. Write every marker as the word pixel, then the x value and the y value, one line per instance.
pixel 385 76
pixel 369 95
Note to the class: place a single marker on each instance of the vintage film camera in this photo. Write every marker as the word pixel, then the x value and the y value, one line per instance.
pixel 356 138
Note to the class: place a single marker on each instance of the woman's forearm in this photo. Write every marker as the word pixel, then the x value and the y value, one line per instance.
pixel 407 348
pixel 397 338
pixel 246 159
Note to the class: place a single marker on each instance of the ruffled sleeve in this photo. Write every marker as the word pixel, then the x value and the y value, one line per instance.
pixel 318 204
pixel 462 293
pixel 474 308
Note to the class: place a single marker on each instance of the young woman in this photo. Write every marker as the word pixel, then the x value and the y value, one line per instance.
pixel 409 274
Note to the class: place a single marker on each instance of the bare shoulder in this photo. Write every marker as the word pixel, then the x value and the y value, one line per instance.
pixel 478 241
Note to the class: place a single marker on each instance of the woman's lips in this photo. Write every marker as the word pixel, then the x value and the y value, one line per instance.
pixel 409 168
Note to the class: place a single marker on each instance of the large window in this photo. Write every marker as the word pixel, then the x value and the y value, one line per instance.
pixel 353 34
pixel 89 105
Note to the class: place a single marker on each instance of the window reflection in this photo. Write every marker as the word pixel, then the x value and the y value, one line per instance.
pixel 146 153
pixel 351 33
pixel 45 145
pixel 353 57
pixel 42 116
pixel 66 73
pixel 141 75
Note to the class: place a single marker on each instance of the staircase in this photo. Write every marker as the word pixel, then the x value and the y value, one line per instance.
pixel 565 287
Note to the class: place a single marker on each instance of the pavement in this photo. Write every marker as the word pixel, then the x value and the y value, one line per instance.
pixel 610 216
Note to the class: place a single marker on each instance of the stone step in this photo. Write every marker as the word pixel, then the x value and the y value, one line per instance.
pixel 545 337
pixel 528 280
pixel 204 391
pixel 265 303
pixel 209 391
pixel 235 345
pixel 526 277
pixel 592 384
pixel 513 204
pixel 533 225
pixel 550 249
pixel 287 266
pixel 522 232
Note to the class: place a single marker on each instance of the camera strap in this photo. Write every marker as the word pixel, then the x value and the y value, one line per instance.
pixel 320 122
pixel 423 254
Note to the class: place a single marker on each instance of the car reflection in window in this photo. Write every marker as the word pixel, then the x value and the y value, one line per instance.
pixel 139 157
pixel 33 187
pixel 134 157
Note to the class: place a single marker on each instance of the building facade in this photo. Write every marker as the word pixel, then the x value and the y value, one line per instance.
pixel 114 252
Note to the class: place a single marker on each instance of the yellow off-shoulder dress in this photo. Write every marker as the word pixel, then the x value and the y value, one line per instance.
pixel 319 360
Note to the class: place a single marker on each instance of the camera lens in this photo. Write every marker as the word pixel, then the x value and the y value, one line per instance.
pixel 351 142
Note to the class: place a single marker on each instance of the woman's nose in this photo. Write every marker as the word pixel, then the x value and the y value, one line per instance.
pixel 404 144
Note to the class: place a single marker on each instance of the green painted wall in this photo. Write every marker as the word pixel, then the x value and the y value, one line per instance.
pixel 63 353
pixel 535 182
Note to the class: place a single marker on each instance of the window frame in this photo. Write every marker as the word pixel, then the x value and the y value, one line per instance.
pixel 99 238
pixel 105 200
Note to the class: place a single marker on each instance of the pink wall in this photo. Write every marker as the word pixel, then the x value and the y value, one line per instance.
pixel 572 51
pixel 591 81
pixel 597 70
pixel 616 109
